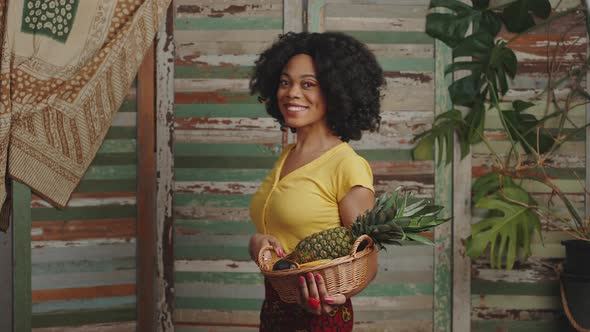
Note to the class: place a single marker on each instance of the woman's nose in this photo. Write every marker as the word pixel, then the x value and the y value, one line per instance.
pixel 293 91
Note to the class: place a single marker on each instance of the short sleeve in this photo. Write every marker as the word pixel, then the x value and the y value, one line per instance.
pixel 353 171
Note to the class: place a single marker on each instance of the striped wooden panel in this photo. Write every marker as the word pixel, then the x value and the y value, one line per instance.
pixel 401 297
pixel 83 256
pixel 225 143
pixel 527 297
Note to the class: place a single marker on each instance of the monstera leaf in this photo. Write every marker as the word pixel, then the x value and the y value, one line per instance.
pixel 443 130
pixel 506 231
pixel 523 128
pixel 518 16
pixel 493 63
pixel 451 26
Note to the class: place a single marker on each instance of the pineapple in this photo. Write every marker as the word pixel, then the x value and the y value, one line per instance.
pixel 390 221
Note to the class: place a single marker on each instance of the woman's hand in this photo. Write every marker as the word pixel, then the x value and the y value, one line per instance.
pixel 313 296
pixel 259 241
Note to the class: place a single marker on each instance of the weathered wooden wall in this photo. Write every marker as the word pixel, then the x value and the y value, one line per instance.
pixel 225 144
pixel 83 258
pixel 527 298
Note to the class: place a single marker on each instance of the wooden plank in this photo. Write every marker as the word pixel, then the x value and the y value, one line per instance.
pixel 316 13
pixel 587 181
pixel 293 16
pixel 116 327
pixel 77 318
pixel 443 277
pixel 6 277
pixel 164 296
pixel 146 191
pixel 92 292
pixel 22 303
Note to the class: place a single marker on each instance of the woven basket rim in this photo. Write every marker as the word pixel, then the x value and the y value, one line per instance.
pixel 266 265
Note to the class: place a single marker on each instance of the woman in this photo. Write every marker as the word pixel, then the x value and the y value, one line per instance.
pixel 326 88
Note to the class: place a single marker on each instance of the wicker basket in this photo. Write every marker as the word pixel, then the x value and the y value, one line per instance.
pixel 342 275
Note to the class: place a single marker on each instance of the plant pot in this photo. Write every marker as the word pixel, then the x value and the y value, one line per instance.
pixel 577 257
pixel 576 298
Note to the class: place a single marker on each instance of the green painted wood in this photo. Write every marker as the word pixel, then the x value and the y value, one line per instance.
pixel 315 12
pixel 221 110
pixel 386 155
pixel 229 149
pixel 442 321
pixel 215 97
pixel 215 174
pixel 238 253
pixel 118 146
pixel 218 304
pixel 120 132
pixel 83 266
pixel 407 64
pixel 241 278
pixel 82 213
pixel 83 279
pixel 21 222
pixel 101 303
pixel 215 227
pixel 88 186
pixel 542 288
pixel 224 162
pixel 244 72
pixel 391 37
pixel 129 105
pixel 110 172
pixel 228 23
pixel 520 326
pixel 83 317
pixel 233 72
pixel 215 200
pixel 115 159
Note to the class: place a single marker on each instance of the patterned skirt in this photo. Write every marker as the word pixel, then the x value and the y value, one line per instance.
pixel 278 316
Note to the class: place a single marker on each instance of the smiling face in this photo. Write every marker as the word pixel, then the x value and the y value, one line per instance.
pixel 299 96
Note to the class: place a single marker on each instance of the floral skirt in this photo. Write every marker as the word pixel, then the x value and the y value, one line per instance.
pixel 278 316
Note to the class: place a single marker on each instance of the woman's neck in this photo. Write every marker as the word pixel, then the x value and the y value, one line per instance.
pixel 316 140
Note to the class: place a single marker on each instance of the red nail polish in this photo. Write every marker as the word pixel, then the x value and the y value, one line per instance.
pixel 329 300
pixel 301 279
pixel 309 276
pixel 318 277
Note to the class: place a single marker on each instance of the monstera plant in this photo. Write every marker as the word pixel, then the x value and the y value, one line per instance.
pixel 483 67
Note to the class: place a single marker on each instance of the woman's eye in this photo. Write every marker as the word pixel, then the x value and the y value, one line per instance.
pixel 283 83
pixel 308 85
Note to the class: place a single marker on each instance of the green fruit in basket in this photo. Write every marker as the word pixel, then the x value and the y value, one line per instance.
pixel 393 219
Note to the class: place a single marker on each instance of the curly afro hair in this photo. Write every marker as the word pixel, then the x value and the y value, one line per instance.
pixel 348 74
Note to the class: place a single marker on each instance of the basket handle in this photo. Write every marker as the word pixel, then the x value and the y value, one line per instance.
pixel 358 242
pixel 262 262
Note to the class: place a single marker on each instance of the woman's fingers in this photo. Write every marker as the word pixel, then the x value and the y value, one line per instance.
pixel 327 300
pixel 314 295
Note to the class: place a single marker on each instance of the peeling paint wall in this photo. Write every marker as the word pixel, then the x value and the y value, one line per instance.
pixel 527 298
pixel 225 143
pixel 83 256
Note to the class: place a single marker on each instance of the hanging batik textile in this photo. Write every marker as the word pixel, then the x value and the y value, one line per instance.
pixel 65 68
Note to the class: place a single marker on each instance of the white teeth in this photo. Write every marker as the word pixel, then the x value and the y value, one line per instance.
pixel 296 108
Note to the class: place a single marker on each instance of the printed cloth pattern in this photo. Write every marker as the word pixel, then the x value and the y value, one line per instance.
pixel 65 69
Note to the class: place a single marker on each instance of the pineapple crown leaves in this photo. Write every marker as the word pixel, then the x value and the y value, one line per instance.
pixel 397 217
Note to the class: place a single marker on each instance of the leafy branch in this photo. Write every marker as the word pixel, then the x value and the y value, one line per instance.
pixel 488 65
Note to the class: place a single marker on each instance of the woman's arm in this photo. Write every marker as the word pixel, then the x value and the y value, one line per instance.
pixel 356 202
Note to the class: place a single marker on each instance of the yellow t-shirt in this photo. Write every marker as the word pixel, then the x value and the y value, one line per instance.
pixel 305 201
